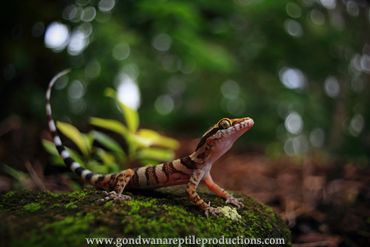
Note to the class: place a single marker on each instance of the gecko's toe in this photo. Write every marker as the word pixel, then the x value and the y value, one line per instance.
pixel 212 211
pixel 120 197
pixel 112 195
pixel 235 201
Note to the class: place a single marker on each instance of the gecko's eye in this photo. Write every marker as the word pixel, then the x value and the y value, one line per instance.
pixel 224 124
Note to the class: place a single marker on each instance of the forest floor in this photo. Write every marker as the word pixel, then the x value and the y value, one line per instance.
pixel 324 202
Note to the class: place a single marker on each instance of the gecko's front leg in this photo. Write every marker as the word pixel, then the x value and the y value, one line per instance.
pixel 212 186
pixel 119 183
pixel 194 196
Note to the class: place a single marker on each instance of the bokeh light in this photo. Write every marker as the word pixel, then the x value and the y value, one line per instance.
pixel 78 43
pixel 317 17
pixel 292 78
pixel 121 51
pixel 76 90
pixel 352 8
pixel 164 104
pixel 356 124
pixel 293 28
pixel 230 89
pixel 72 13
pixel 296 145
pixel 317 137
pixel 329 4
pixel 56 36
pixel 106 5
pixel 293 123
pixel 332 87
pixel 92 69
pixel 162 42
pixel 293 10
pixel 128 91
pixel 88 14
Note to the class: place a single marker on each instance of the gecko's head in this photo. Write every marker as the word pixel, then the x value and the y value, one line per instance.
pixel 220 137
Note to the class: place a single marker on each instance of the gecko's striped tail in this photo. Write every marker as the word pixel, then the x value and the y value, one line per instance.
pixel 87 175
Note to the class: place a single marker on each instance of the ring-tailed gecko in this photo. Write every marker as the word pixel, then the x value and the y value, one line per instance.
pixel 189 170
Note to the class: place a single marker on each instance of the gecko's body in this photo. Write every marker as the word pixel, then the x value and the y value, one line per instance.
pixel 189 170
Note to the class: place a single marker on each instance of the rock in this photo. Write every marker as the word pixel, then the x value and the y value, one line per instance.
pixel 51 219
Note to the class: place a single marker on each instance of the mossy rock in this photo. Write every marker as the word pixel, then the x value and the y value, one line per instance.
pixel 50 219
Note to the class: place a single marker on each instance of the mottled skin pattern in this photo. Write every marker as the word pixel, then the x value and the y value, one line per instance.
pixel 189 170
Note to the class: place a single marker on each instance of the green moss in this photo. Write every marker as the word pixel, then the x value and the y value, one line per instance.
pixel 78 194
pixel 32 207
pixel 52 194
pixel 70 231
pixel 9 194
pixel 55 205
pixel 67 219
pixel 108 204
pixel 70 205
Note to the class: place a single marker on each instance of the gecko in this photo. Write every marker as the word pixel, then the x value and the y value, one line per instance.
pixel 190 170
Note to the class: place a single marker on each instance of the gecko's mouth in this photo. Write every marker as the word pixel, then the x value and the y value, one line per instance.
pixel 240 126
pixel 246 122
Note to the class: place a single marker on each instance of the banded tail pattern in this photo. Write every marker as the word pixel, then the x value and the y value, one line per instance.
pixel 74 166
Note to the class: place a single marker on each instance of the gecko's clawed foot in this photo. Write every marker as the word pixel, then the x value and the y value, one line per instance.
pixel 212 211
pixel 112 195
pixel 235 201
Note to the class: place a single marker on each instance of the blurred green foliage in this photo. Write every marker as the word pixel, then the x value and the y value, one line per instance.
pixel 144 146
pixel 300 68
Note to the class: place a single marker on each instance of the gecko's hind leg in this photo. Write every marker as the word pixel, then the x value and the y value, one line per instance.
pixel 119 184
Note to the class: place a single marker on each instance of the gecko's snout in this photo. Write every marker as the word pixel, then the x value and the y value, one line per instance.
pixel 250 121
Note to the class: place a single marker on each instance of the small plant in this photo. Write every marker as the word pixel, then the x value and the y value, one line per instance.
pixel 102 154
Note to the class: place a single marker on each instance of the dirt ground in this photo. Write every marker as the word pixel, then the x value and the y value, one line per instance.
pixel 324 203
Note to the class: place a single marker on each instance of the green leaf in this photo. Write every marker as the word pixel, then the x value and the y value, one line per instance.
pixel 155 154
pixel 96 167
pixel 108 160
pixel 57 161
pixel 75 135
pixel 154 138
pixel 109 143
pixel 17 175
pixel 50 147
pixel 139 141
pixel 110 92
pixel 131 117
pixel 109 124
pixel 106 157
